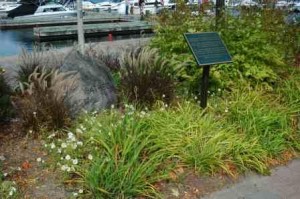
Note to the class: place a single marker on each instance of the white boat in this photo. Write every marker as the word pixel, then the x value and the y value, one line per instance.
pixel 107 6
pixel 8 6
pixel 150 6
pixel 50 11
pixel 87 5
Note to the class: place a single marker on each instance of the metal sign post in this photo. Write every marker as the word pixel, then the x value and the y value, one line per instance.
pixel 208 49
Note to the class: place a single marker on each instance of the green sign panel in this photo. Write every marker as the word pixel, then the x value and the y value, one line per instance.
pixel 207 48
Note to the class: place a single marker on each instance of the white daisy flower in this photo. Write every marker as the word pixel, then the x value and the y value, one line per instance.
pixel 75 161
pixel 68 157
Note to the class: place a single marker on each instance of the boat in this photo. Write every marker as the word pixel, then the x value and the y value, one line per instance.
pixel 6 6
pixel 87 5
pixel 48 11
pixel 107 6
pixel 150 6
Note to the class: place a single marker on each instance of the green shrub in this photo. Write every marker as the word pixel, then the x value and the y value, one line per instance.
pixel 255 56
pixel 145 77
pixel 6 109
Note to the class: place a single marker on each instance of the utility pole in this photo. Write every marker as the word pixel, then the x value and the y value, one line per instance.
pixel 80 30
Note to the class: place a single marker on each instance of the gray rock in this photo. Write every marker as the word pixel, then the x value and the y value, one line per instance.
pixel 95 89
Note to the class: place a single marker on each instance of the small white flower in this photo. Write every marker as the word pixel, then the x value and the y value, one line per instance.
pixel 19 168
pixel 2 158
pixel 68 157
pixel 79 143
pixel 13 189
pixel 64 167
pixel 39 159
pixel 90 157
pixel 59 150
pixel 68 169
pixel 71 136
pixel 195 97
pixel 63 145
pixel 51 136
pixel 219 89
pixel 74 146
pixel 112 106
pixel 226 110
pixel 80 191
pixel 79 131
pixel 5 174
pixel 75 194
pixel 75 161
pixel 52 146
pixel 11 193
pixel 45 145
pixel 163 96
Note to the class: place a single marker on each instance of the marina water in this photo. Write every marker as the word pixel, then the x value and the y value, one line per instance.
pixel 13 41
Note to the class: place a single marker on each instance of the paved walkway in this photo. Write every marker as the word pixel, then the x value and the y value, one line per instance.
pixel 283 183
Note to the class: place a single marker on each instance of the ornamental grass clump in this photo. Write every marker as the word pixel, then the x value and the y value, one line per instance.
pixel 6 108
pixel 28 62
pixel 109 58
pixel 203 142
pixel 42 104
pixel 261 115
pixel 145 77
pixel 118 158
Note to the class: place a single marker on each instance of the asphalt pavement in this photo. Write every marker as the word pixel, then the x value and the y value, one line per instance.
pixel 283 183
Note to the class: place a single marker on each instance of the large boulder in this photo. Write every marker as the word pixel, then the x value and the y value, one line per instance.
pixel 95 87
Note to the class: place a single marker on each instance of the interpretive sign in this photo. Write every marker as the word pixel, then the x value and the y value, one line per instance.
pixel 207 48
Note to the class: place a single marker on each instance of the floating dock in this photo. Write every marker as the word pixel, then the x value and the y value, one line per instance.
pixel 92 30
pixel 6 24
pixel 95 25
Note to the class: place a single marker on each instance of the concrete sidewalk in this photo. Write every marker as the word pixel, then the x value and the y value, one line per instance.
pixel 283 183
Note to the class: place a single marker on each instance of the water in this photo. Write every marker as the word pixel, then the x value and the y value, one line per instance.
pixel 13 41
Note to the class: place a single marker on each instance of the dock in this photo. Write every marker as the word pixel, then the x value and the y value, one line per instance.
pixel 91 18
pixel 92 30
pixel 95 25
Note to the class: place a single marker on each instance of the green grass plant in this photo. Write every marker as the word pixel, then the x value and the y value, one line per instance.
pixel 117 160
pixel 260 115
pixel 124 152
pixel 127 163
pixel 204 142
